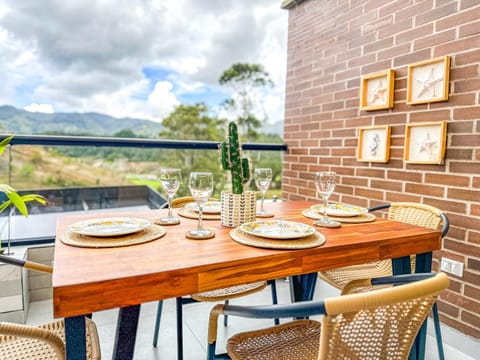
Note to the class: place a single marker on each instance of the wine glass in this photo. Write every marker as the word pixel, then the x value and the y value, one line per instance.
pixel 325 184
pixel 263 177
pixel 170 180
pixel 201 188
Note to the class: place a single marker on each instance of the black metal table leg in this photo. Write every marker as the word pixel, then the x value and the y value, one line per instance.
pixel 75 338
pixel 125 336
pixel 302 287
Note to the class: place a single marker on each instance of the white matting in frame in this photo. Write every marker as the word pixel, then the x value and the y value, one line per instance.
pixel 374 144
pixel 425 143
pixel 376 91
pixel 428 81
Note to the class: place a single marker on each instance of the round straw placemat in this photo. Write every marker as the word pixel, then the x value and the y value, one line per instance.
pixel 150 233
pixel 192 214
pixel 313 240
pixel 364 218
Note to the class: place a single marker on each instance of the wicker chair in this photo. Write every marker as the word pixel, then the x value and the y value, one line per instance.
pixel 412 213
pixel 46 341
pixel 224 294
pixel 378 324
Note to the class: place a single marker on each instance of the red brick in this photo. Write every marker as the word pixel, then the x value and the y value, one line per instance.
pixel 470 318
pixel 454 20
pixel 462 194
pixel 465 167
pixel 472 292
pixel 457 46
pixel 436 39
pixel 431 190
pixel 437 13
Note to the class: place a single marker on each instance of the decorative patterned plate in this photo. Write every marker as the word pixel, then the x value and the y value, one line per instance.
pixel 277 229
pixel 210 207
pixel 341 210
pixel 107 227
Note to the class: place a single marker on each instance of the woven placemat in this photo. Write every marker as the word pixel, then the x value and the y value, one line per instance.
pixel 192 214
pixel 313 240
pixel 364 218
pixel 150 233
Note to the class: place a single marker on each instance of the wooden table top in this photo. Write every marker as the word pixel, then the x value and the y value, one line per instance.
pixel 86 280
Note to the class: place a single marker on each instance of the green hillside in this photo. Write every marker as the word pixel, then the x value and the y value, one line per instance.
pixel 16 121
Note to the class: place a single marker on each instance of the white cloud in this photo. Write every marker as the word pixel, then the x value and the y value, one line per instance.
pixel 161 100
pixel 89 55
pixel 42 108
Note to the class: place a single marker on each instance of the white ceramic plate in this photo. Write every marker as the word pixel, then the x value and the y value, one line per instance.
pixel 341 210
pixel 105 227
pixel 210 207
pixel 277 229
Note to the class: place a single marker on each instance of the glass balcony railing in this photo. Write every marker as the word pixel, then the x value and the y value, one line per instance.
pixel 86 174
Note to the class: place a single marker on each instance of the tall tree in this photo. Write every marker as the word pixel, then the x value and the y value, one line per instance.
pixel 244 79
pixel 193 122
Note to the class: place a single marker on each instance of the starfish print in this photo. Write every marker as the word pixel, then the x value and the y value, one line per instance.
pixel 378 93
pixel 426 145
pixel 429 84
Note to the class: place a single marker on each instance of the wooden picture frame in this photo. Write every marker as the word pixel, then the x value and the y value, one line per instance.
pixel 374 144
pixel 376 90
pixel 425 143
pixel 428 81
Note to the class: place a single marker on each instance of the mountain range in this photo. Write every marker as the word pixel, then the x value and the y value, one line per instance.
pixel 17 121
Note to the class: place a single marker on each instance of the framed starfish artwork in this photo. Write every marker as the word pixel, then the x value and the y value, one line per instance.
pixel 425 143
pixel 428 81
pixel 376 91
pixel 374 144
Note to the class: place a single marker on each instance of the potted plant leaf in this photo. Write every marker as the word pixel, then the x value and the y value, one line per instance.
pixel 238 205
pixel 13 198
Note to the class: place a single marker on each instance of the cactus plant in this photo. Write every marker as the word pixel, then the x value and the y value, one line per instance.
pixel 232 160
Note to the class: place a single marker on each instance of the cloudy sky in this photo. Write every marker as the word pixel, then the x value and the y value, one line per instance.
pixel 137 58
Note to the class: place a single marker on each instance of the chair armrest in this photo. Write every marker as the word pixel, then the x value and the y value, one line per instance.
pixel 295 310
pixel 358 285
pixel 26 264
pixel 379 207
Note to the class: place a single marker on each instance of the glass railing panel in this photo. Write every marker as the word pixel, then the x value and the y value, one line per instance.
pixel 75 175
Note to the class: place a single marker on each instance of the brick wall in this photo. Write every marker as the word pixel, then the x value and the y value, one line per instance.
pixel 331 44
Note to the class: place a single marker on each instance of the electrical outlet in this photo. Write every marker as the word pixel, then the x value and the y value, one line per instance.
pixel 452 267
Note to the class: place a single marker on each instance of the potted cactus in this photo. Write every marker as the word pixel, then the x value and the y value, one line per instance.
pixel 238 205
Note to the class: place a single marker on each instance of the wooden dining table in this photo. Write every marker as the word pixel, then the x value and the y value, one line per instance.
pixel 86 280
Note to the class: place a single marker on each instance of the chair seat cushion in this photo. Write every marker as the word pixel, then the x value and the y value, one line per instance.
pixel 297 340
pixel 229 292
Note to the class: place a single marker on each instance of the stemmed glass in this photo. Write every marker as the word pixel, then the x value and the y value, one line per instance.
pixel 201 188
pixel 170 179
pixel 325 184
pixel 263 177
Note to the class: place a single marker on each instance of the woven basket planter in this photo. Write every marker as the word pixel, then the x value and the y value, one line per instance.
pixel 238 208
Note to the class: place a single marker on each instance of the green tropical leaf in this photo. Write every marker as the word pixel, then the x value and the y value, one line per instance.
pixel 4 143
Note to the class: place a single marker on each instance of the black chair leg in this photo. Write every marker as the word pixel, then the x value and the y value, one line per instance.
pixel 225 317
pixel 157 323
pixel 438 332
pixel 179 329
pixel 273 285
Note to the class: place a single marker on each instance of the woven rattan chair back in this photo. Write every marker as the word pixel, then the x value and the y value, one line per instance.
pixel 380 324
pixel 46 341
pixel 408 212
